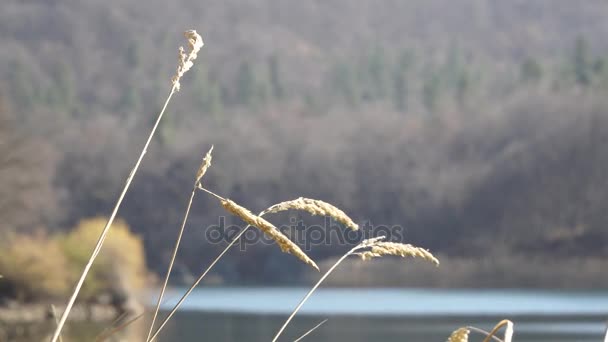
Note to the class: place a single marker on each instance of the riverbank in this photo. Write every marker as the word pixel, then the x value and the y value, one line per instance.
pixel 29 321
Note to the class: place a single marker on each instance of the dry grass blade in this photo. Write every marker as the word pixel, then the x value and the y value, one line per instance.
pixel 186 61
pixel 383 248
pixel 314 207
pixel 485 333
pixel 459 335
pixel 508 330
pixel 311 330
pixel 269 229
pixel 114 330
pixel 111 325
pixel 204 165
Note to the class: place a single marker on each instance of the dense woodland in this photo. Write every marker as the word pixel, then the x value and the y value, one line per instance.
pixel 479 126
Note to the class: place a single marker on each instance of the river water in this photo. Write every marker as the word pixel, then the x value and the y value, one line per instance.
pixel 255 314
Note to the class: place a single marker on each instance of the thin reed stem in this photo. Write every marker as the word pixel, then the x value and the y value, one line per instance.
pixel 104 336
pixel 170 268
pixel 106 229
pixel 508 330
pixel 295 311
pixel 111 325
pixel 486 333
pixel 195 284
pixel 54 312
pixel 311 330
pixel 211 193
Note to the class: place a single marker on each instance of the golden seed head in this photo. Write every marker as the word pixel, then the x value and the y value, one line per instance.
pixel 379 248
pixel 459 335
pixel 206 163
pixel 186 60
pixel 314 207
pixel 269 229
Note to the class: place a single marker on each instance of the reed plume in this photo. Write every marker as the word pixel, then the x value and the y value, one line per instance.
pixel 269 229
pixel 314 207
pixel 186 60
pixel 459 335
pixel 205 164
pixel 195 42
pixel 382 248
pixel 365 244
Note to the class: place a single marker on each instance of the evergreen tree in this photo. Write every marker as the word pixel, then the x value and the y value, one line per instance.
pixel 430 92
pixel 377 76
pixel 344 84
pixel 133 54
pixel 23 92
pixel 278 90
pixel 245 84
pixel 582 72
pixel 463 85
pixel 400 89
pixel 531 70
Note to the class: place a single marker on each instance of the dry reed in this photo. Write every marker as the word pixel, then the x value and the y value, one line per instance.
pixel 206 163
pixel 365 244
pixel 54 313
pixel 195 42
pixel 383 248
pixel 311 330
pixel 314 207
pixel 186 61
pixel 107 334
pixel 508 330
pixel 207 270
pixel 269 229
pixel 459 335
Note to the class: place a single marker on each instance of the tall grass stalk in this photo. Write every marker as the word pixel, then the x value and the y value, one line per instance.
pixel 170 268
pixel 185 63
pixel 215 261
pixel 54 312
pixel 311 330
pixel 106 334
pixel 201 172
pixel 295 311
pixel 195 284
pixel 106 228
pixel 378 248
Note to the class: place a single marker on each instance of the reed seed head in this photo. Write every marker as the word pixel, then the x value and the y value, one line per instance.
pixel 314 207
pixel 269 229
pixel 379 248
pixel 459 335
pixel 205 164
pixel 186 60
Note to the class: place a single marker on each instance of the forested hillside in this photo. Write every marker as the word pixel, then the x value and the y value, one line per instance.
pixel 479 126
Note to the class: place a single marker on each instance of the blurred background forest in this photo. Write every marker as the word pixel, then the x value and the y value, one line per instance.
pixel 479 126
